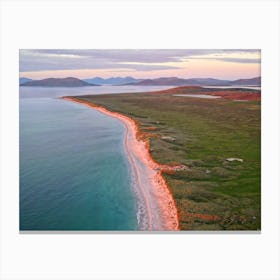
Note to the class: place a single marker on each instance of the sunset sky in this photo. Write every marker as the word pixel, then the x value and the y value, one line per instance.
pixel 140 63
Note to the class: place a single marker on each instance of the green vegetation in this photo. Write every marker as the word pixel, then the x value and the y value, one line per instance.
pixel 212 193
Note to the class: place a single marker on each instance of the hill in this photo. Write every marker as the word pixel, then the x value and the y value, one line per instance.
pixel 58 82
pixel 111 81
pixel 248 82
pixel 24 80
pixel 174 81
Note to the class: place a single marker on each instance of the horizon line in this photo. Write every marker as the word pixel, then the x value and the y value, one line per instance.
pixel 153 78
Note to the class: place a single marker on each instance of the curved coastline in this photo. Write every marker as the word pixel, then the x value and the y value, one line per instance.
pixel 156 207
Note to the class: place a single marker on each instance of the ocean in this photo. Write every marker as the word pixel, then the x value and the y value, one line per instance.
pixel 74 173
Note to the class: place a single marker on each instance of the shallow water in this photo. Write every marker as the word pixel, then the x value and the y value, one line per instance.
pixel 198 96
pixel 74 172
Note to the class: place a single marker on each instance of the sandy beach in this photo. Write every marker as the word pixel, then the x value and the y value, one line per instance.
pixel 156 207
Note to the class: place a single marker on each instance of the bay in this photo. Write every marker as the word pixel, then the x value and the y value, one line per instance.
pixel 74 173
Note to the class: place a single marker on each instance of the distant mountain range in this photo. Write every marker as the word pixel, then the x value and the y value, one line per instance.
pixel 174 81
pixel 24 80
pixel 57 82
pixel 168 81
pixel 112 81
pixel 251 82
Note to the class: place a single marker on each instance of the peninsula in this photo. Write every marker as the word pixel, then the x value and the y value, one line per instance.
pixel 204 152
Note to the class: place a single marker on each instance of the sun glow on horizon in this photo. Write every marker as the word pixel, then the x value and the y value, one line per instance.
pixel 143 64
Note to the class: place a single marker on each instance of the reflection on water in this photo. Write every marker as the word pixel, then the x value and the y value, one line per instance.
pixel 27 92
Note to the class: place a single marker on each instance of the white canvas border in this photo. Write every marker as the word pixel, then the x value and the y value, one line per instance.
pixel 140 24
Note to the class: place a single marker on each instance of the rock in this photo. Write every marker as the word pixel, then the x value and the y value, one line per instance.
pixel 168 138
pixel 234 159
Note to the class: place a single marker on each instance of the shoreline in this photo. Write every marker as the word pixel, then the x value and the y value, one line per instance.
pixel 156 206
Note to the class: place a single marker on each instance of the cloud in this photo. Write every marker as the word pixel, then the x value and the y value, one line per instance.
pixel 136 59
pixel 38 60
pixel 241 60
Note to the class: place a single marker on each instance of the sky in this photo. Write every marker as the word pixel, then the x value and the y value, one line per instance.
pixel 140 63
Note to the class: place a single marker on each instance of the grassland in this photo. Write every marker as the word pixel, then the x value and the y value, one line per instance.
pixel 212 193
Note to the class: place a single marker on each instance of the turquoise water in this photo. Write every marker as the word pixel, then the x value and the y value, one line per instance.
pixel 73 170
pixel 74 174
